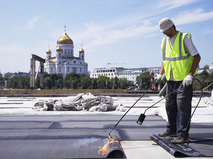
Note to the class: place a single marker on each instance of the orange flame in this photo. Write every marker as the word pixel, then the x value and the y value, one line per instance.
pixel 105 149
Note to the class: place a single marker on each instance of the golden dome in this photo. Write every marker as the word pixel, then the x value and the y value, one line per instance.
pixel 81 50
pixel 48 51
pixel 65 39
pixel 58 48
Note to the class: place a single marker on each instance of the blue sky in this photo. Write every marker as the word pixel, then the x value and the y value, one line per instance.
pixel 124 33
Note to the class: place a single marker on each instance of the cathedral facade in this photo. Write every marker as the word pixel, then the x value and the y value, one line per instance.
pixel 65 62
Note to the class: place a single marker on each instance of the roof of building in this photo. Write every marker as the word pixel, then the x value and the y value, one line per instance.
pixel 58 48
pixel 65 39
pixel 81 50
pixel 48 51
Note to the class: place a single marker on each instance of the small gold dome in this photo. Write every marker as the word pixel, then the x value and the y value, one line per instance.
pixel 65 39
pixel 48 51
pixel 58 48
pixel 81 50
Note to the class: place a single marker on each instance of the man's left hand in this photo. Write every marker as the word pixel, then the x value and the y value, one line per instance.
pixel 187 80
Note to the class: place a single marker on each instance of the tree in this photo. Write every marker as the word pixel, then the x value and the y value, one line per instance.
pixel 73 80
pixel 13 82
pixel 116 82
pixel 206 67
pixel 26 83
pixel 86 82
pixel 60 83
pixel 123 83
pixel 102 82
pixel 5 78
pixel 37 82
pixel 48 83
pixel 143 81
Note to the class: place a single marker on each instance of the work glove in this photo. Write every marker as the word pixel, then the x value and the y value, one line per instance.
pixel 158 78
pixel 187 80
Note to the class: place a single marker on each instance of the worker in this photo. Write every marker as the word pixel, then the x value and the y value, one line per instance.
pixel 180 62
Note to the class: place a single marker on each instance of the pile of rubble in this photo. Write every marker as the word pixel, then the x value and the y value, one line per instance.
pixel 82 102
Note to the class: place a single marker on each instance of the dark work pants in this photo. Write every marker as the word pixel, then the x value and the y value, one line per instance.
pixel 178 107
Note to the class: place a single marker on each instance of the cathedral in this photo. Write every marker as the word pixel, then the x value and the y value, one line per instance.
pixel 65 62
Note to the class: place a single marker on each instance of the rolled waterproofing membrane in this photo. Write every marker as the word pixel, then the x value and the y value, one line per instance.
pixel 177 150
pixel 112 147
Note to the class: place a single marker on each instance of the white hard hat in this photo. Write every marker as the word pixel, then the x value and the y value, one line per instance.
pixel 165 24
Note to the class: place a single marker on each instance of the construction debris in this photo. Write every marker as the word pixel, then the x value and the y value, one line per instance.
pixel 81 102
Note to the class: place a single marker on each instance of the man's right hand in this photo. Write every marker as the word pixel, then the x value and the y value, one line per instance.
pixel 158 78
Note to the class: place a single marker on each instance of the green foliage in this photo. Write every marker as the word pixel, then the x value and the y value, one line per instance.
pixel 206 67
pixel 48 83
pixel 143 81
pixel 86 83
pixel 5 78
pixel 102 82
pixel 78 81
pixel 37 82
pixel 19 83
pixel 123 83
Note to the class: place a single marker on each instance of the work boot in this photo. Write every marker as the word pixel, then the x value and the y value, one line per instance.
pixel 179 140
pixel 167 133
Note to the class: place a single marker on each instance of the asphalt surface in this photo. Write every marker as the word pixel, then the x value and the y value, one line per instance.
pixel 65 136
pixel 81 136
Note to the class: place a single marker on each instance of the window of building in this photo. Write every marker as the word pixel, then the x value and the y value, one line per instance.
pixel 74 69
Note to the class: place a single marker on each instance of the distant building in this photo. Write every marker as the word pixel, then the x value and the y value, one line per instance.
pixel 65 62
pixel 19 74
pixel 211 68
pixel 120 72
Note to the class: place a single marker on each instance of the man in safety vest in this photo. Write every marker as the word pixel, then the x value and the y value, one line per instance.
pixel 180 62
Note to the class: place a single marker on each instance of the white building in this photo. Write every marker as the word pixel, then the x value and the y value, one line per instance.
pixel 65 62
pixel 211 68
pixel 120 72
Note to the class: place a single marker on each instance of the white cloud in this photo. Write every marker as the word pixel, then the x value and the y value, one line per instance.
pixel 171 4
pixel 134 25
pixel 193 16
pixel 103 34
pixel 207 30
pixel 31 22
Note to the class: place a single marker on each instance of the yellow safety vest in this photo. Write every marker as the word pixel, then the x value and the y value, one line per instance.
pixel 175 59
